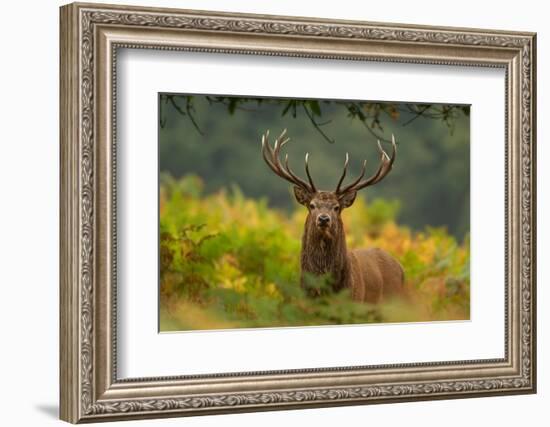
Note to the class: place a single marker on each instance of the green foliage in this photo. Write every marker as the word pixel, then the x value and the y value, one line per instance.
pixel 218 139
pixel 229 261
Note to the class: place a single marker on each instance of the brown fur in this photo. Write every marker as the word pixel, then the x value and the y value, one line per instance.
pixel 370 274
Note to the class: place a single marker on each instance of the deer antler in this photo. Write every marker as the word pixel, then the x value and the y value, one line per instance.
pixel 271 157
pixel 384 168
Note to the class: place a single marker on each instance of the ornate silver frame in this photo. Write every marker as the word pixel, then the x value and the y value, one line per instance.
pixel 90 36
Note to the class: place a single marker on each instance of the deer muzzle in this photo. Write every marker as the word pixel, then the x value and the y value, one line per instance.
pixel 323 221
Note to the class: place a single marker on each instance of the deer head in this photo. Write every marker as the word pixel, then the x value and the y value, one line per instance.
pixel 324 207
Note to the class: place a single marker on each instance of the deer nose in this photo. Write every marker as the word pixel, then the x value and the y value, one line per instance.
pixel 323 219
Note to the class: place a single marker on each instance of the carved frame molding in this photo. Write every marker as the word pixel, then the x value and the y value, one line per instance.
pixel 90 37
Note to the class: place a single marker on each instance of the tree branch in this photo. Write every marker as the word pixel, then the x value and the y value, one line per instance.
pixel 316 125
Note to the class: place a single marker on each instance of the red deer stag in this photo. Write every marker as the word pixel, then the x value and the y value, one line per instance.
pixel 369 274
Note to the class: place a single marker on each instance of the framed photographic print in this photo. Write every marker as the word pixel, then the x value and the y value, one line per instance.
pixel 265 212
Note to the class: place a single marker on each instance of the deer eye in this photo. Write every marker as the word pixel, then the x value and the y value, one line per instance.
pixel 312 206
pixel 336 208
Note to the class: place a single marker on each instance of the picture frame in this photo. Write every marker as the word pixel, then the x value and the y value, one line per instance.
pixel 91 36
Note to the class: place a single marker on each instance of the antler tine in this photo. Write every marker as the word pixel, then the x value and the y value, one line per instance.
pixel 359 178
pixel 289 175
pixel 268 157
pixel 384 168
pixel 271 157
pixel 279 142
pixel 343 173
pixel 384 158
pixel 386 163
pixel 308 174
pixel 297 180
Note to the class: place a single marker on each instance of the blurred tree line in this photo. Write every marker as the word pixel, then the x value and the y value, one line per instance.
pixel 218 138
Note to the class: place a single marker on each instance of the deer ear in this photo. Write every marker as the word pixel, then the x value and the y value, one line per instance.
pixel 347 199
pixel 302 196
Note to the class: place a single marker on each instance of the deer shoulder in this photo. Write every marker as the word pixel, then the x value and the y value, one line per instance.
pixel 375 275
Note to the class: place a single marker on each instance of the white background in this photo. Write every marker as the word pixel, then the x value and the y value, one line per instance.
pixel 145 353
pixel 29 171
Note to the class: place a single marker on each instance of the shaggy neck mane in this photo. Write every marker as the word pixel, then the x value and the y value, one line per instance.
pixel 325 252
